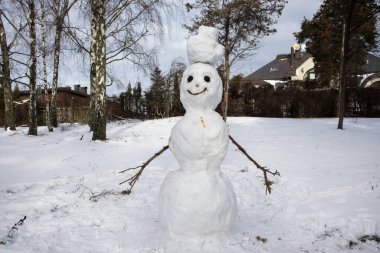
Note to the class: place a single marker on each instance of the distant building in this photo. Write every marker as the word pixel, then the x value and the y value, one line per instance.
pixel 370 72
pixel 72 104
pixel 299 65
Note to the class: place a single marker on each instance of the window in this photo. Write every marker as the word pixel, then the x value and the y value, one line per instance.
pixel 273 69
pixel 310 75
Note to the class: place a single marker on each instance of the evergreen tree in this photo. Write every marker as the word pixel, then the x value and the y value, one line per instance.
pixel 137 93
pixel 323 36
pixel 349 26
pixel 122 101
pixel 16 93
pixel 235 94
pixel 177 108
pixel 155 96
pixel 129 95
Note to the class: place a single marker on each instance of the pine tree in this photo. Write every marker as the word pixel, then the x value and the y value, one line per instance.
pixel 129 95
pixel 155 96
pixel 346 25
pixel 323 36
pixel 177 106
pixel 137 93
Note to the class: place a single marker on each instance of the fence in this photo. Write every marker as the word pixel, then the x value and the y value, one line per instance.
pixel 298 103
pixel 263 102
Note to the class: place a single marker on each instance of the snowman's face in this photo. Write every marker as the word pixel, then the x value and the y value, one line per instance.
pixel 201 87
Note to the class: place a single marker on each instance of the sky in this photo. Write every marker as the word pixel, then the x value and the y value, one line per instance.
pixel 173 46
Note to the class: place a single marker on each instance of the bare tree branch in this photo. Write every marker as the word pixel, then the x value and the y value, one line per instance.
pixel 132 180
pixel 19 53
pixel 263 169
pixel 12 232
pixel 76 40
pixel 116 12
pixel 19 62
pixel 18 33
pixel 14 27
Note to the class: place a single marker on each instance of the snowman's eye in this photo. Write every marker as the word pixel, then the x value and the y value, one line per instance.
pixel 189 79
pixel 207 79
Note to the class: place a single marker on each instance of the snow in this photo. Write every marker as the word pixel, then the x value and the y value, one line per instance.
pixel 204 46
pixel 328 193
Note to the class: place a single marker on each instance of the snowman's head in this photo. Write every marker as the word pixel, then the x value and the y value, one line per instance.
pixel 201 87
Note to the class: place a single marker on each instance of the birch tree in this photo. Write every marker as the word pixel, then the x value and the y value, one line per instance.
pixel 45 79
pixel 6 79
pixel 242 23
pixel 98 69
pixel 60 10
pixel 32 68
pixel 15 55
pixel 127 25
pixel 26 10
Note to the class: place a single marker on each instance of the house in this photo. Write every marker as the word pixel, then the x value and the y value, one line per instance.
pixel 370 72
pixel 72 104
pixel 299 65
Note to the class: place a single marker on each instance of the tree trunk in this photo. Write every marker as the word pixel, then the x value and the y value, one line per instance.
pixel 6 80
pixel 227 67
pixel 343 62
pixel 32 70
pixel 46 86
pixel 59 19
pixel 56 55
pixel 226 86
pixel 98 61
pixel 93 51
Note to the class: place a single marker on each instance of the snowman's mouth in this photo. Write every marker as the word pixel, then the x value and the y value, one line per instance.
pixel 197 93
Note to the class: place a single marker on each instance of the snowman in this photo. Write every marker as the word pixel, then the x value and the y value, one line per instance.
pixel 197 202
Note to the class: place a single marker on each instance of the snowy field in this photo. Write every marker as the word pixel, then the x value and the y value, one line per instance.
pixel 326 200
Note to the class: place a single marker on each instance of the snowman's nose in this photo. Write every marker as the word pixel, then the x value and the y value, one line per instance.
pixel 197 85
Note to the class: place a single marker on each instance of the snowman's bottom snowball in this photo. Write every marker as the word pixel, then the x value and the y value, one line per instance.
pixel 196 204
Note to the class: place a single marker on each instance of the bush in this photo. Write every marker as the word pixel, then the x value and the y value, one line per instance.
pixel 297 99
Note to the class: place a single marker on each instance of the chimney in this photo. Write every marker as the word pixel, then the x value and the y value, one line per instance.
pixel 83 90
pixel 77 87
pixel 297 54
pixel 291 56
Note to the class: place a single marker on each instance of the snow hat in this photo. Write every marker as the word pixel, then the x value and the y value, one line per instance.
pixel 204 46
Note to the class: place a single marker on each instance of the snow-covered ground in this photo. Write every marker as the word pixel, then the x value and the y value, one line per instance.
pixel 327 198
